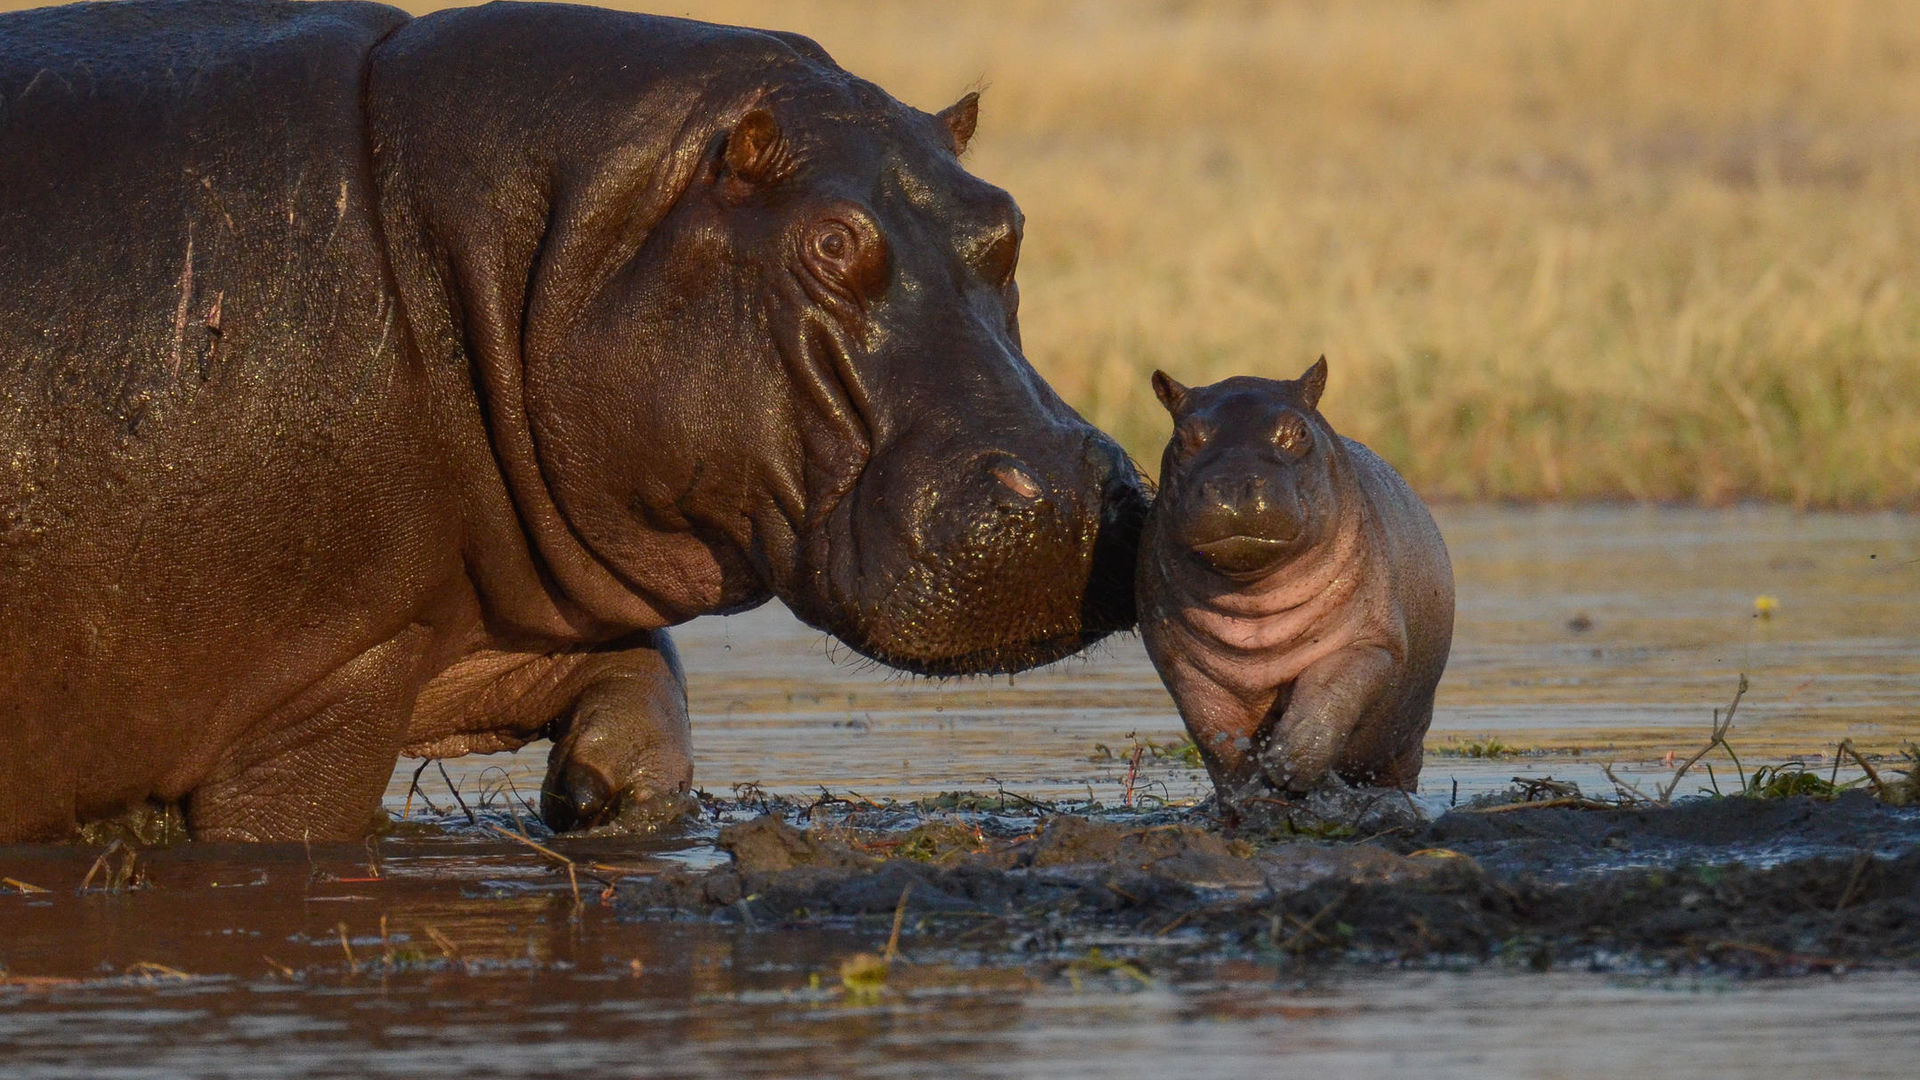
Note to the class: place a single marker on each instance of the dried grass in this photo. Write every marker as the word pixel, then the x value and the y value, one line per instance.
pixel 1588 248
pixel 1594 248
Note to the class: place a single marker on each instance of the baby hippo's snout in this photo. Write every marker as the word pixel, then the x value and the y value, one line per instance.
pixel 1238 523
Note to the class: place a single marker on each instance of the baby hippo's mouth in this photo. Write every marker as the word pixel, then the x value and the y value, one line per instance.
pixel 1242 556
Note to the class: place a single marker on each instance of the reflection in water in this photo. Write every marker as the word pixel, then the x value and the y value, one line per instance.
pixel 1616 631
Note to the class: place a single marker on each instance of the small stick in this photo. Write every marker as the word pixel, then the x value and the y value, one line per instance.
pixel 1298 937
pixel 447 948
pixel 1178 921
pixel 346 947
pixel 471 820
pixel 413 788
pixel 16 883
pixel 1846 745
pixel 899 913
pixel 1628 793
pixel 99 863
pixel 147 969
pixel 1718 738
pixel 532 843
pixel 285 971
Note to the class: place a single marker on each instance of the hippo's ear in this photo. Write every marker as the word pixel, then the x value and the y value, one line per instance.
pixel 961 118
pixel 1170 393
pixel 1314 383
pixel 756 152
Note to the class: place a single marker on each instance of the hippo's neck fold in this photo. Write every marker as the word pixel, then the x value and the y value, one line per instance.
pixel 1255 636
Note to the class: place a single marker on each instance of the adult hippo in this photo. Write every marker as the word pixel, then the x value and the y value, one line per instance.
pixel 372 385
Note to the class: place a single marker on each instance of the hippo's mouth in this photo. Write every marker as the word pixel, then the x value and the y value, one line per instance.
pixel 1243 556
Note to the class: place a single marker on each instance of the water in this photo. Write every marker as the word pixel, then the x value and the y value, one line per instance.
pixel 468 955
pixel 1666 596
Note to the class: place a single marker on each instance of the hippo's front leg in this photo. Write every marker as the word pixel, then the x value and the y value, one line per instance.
pixel 617 716
pixel 624 748
pixel 316 768
pixel 1334 704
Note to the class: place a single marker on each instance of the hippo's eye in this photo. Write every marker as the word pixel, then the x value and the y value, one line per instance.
pixel 1293 438
pixel 1191 436
pixel 833 241
pixel 847 253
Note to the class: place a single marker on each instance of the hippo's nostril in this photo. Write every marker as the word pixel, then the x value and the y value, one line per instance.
pixel 1017 479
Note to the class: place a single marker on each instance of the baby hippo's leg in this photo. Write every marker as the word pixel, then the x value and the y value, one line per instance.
pixel 624 748
pixel 1332 707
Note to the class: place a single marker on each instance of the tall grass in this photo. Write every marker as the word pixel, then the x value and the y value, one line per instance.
pixel 1644 249
pixel 1587 248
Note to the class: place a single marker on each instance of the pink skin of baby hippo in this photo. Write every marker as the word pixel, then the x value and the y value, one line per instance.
pixel 1294 592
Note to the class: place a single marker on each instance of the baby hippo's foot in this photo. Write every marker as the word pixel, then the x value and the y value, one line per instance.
pixel 1332 809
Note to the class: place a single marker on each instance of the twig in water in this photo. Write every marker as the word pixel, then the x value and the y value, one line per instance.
pixel 1721 725
pixel 448 949
pixel 1628 793
pixel 16 883
pixel 572 877
pixel 1873 776
pixel 285 971
pixel 1133 773
pixel 347 947
pixel 99 863
pixel 413 788
pixel 899 913
pixel 148 970
pixel 471 820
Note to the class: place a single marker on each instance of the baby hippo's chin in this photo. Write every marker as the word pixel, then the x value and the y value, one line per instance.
pixel 1241 556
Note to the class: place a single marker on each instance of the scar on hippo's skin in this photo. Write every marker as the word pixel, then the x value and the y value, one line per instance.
pixel 186 302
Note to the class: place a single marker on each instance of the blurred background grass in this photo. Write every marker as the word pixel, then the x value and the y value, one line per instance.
pixel 1553 249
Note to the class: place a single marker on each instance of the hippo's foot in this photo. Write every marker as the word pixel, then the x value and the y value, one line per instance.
pixel 623 754
pixel 1334 808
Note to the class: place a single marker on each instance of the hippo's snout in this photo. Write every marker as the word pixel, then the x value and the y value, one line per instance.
pixel 1238 555
pixel 1240 524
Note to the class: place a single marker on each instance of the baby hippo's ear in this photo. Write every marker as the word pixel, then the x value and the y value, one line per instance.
pixel 1170 393
pixel 1314 383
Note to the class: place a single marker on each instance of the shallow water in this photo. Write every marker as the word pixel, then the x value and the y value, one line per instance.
pixel 1666 596
pixel 230 960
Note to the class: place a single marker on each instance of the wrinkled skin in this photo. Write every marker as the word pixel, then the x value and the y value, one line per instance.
pixel 1294 593
pixel 373 385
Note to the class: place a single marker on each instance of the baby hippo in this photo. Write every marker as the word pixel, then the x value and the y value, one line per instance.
pixel 1295 594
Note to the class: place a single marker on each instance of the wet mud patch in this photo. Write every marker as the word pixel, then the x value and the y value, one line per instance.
pixel 1774 886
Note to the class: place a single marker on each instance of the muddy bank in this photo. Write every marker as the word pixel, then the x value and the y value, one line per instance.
pixel 1764 885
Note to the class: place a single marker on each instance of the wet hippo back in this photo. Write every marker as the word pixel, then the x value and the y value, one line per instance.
pixel 1295 594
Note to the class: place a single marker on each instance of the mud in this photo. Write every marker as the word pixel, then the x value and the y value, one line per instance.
pixel 1775 886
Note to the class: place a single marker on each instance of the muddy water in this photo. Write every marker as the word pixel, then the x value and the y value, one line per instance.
pixel 1585 636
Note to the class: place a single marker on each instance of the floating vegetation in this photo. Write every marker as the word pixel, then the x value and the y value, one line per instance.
pixel 1489 747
